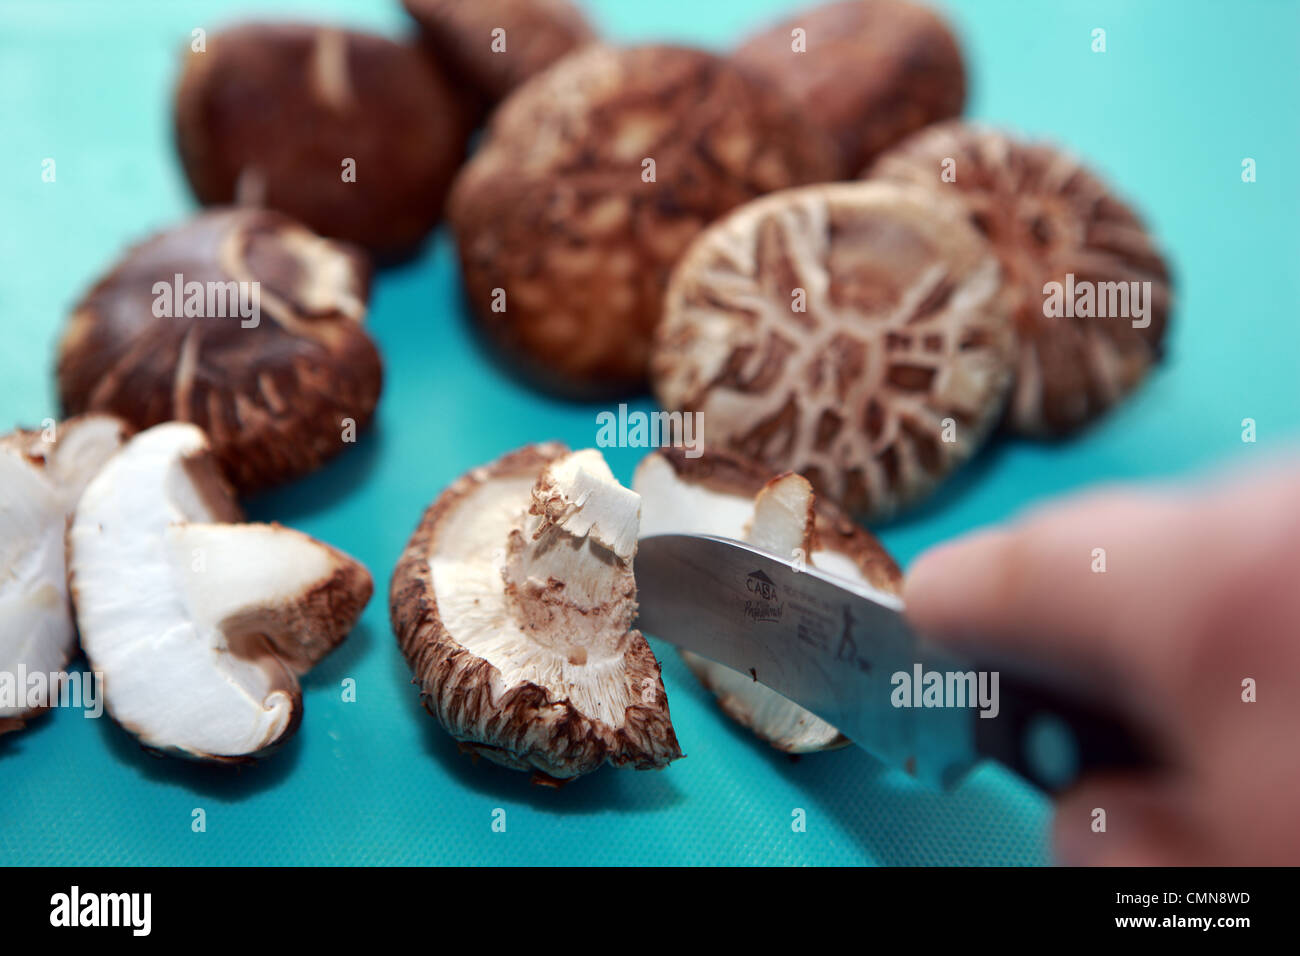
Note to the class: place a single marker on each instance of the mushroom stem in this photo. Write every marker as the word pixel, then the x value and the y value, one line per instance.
pixel 783 519
pixel 568 568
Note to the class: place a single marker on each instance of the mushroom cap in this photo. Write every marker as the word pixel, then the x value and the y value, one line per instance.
pixel 40 483
pixel 732 497
pixel 872 72
pixel 269 112
pixel 890 375
pixel 513 603
pixel 1046 217
pixel 199 624
pixel 274 392
pixel 537 33
pixel 553 208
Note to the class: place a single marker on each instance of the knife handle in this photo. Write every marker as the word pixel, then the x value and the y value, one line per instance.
pixel 1052 737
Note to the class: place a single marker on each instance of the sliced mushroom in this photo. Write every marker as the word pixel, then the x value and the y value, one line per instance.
pixel 513 604
pixel 200 624
pixel 729 496
pixel 40 482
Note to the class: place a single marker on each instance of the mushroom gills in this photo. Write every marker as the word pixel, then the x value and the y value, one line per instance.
pixel 514 605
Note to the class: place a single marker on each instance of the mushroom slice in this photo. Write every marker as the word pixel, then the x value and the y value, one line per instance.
pixel 513 604
pixel 72 454
pixel 40 482
pixel 732 497
pixel 200 624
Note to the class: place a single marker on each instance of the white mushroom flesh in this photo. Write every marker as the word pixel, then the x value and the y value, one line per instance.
pixel 35 623
pixel 40 483
pixel 513 603
pixel 189 618
pixel 498 567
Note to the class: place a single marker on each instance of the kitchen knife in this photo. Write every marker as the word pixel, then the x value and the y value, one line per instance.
pixel 847 654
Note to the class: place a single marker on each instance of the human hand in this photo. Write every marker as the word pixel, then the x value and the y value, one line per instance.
pixel 1200 593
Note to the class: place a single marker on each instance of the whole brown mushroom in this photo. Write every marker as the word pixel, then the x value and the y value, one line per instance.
pixel 242 322
pixel 353 134
pixel 492 46
pixel 1052 221
pixel 868 71
pixel 594 177
pixel 856 333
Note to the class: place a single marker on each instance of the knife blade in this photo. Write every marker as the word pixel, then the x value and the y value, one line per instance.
pixel 847 654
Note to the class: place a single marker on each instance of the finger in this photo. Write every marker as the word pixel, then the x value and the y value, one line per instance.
pixel 1126 821
pixel 1072 584
pixel 1037 563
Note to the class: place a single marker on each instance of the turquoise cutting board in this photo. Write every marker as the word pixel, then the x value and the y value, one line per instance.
pixel 1185 91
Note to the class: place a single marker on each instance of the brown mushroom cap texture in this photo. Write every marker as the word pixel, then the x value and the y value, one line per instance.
pixel 565 248
pixel 1046 217
pixel 531 668
pixel 536 34
pixel 718 493
pixel 200 624
pixel 268 114
pixel 871 72
pixel 275 394
pixel 855 333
